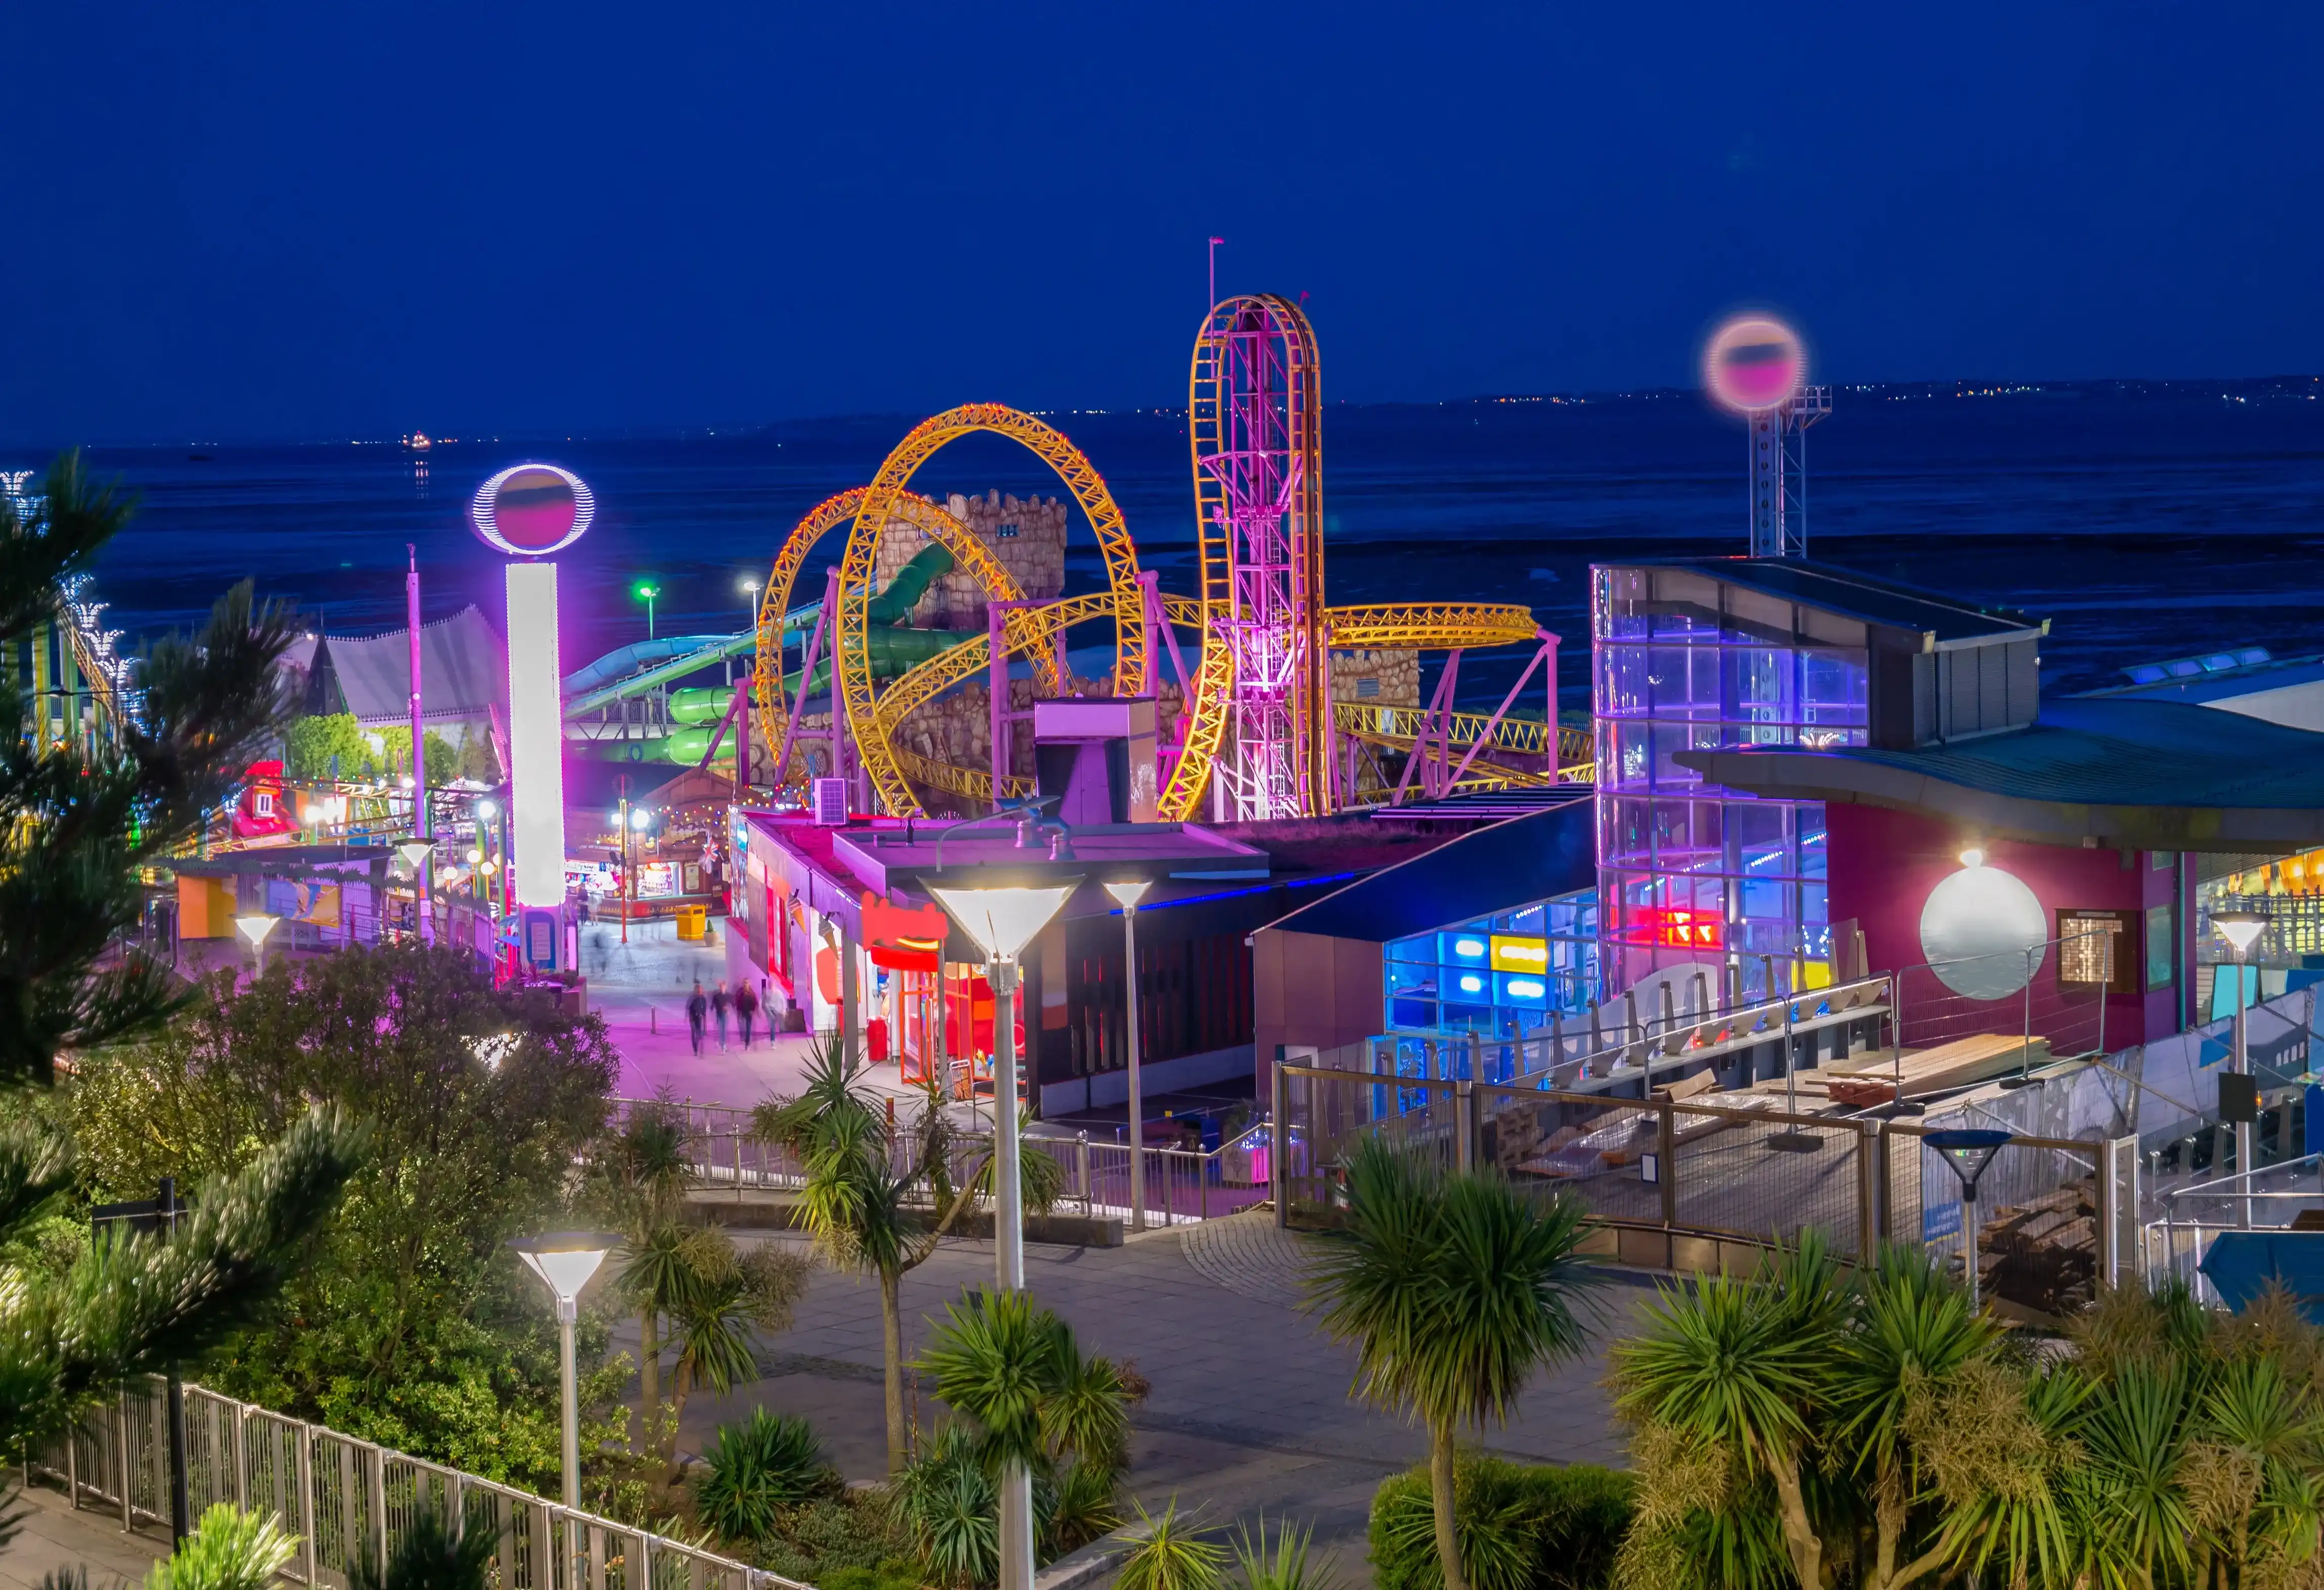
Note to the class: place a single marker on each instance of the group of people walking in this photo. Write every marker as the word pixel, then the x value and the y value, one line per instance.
pixel 701 1009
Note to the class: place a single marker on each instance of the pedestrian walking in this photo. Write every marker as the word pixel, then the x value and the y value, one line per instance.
pixel 698 1008
pixel 746 1011
pixel 720 1000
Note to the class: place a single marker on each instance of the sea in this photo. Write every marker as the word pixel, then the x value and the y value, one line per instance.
pixel 2146 519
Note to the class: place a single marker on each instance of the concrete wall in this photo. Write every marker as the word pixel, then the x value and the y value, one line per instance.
pixel 1310 992
pixel 1884 864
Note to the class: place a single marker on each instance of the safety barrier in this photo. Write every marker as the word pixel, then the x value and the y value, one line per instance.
pixel 346 1499
pixel 1182 1185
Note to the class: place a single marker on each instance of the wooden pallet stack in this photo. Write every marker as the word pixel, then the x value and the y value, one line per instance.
pixel 2043 1254
pixel 1925 1073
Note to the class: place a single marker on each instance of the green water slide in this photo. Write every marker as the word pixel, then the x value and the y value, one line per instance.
pixel 893 651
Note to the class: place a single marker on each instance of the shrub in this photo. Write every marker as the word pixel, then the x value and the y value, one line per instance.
pixel 755 1469
pixel 852 1532
pixel 946 1499
pixel 1171 1554
pixel 1520 1527
pixel 430 1555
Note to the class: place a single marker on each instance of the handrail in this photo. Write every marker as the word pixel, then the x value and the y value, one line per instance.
pixel 342 1497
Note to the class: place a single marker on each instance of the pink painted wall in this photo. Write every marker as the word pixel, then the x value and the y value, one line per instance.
pixel 1884 864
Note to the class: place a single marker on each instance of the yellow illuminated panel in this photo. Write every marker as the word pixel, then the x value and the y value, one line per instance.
pixel 1515 952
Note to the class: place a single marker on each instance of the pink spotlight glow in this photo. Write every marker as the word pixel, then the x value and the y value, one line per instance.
pixel 1754 364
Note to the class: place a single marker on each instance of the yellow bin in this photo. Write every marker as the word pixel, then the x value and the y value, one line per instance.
pixel 692 922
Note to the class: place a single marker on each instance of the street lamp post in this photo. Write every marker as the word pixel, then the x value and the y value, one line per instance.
pixel 647 593
pixel 2241 929
pixel 564 1261
pixel 750 588
pixel 1126 895
pixel 255 927
pixel 1969 1149
pixel 1003 919
pixel 417 855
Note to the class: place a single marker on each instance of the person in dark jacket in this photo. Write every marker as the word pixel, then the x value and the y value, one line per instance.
pixel 720 1000
pixel 697 1011
pixel 746 1011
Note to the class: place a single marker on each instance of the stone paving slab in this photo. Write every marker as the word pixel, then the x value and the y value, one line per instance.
pixel 56 1536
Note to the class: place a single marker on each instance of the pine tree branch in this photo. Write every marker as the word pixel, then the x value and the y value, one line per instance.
pixel 141 1305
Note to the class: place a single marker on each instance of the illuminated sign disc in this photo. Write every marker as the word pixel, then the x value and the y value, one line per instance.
pixel 532 509
pixel 1754 364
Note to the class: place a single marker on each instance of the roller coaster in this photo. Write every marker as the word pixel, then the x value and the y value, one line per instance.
pixel 1256 734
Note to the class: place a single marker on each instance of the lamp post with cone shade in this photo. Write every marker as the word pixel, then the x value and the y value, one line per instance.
pixel 255 927
pixel 2241 929
pixel 1127 893
pixel 1002 918
pixel 564 1261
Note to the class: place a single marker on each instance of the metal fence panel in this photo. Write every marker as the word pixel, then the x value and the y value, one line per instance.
pixel 346 1498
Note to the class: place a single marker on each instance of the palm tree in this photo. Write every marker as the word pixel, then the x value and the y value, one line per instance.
pixel 1014 1372
pixel 641 1182
pixel 1723 1368
pixel 723 1298
pixel 1910 1326
pixel 865 1212
pixel 1453 1288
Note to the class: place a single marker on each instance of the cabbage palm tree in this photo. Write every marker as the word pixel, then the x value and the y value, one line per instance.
pixel 868 1214
pixel 1454 1289
pixel 1723 1369
pixel 1908 1327
pixel 640 1182
pixel 725 1297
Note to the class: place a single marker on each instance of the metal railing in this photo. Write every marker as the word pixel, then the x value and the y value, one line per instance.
pixel 1718 1174
pixel 2176 1245
pixel 1182 1185
pixel 347 1499
pixel 1632 1052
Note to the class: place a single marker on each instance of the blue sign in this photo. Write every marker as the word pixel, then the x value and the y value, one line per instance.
pixel 1939 1221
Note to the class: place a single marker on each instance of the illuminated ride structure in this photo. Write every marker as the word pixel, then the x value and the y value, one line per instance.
pixel 1254 425
pixel 1259 735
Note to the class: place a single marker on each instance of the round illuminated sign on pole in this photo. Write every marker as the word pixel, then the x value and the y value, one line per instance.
pixel 1754 364
pixel 532 509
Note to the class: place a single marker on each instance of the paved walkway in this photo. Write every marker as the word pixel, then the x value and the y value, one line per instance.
pixel 1249 1410
pixel 54 1536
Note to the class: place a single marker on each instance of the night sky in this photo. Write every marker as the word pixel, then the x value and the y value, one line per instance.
pixel 304 221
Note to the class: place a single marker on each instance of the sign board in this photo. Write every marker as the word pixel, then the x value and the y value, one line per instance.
pixel 1517 953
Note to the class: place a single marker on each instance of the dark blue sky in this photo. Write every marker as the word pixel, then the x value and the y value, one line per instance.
pixel 318 220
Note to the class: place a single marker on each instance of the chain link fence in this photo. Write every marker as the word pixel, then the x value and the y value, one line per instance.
pixel 1674 1184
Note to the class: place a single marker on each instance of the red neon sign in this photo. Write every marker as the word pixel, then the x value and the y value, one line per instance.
pixel 1680 927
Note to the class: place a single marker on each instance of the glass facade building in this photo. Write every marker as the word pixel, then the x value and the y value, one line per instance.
pixel 1499 976
pixel 1691 873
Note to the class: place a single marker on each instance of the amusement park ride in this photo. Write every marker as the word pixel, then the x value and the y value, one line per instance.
pixel 1259 735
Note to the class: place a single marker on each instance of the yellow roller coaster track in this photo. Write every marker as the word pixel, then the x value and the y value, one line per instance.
pixel 878 717
pixel 1130 674
pixel 1398 728
pixel 1438 626
pixel 969 553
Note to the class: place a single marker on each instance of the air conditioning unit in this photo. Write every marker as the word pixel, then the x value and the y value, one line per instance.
pixel 828 799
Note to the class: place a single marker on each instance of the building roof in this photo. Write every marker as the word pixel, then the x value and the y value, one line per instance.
pixel 2216 677
pixel 1478 874
pixel 2142 774
pixel 1939 619
pixel 895 855
pixel 463 671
